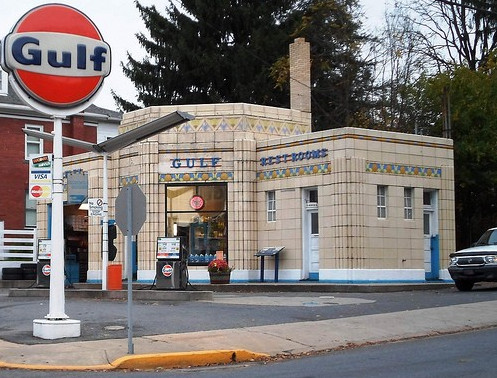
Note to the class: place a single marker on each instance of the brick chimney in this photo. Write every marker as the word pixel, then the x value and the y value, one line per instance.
pixel 300 75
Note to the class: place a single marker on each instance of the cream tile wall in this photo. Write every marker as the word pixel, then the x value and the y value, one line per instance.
pixel 351 237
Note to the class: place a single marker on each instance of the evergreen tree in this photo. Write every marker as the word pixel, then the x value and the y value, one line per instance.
pixel 237 51
pixel 341 77
pixel 211 51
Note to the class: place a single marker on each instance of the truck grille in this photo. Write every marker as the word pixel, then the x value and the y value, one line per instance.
pixel 470 261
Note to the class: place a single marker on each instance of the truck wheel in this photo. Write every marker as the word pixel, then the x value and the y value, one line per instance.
pixel 464 285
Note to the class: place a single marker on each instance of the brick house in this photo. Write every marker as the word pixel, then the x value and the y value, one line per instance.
pixel 95 124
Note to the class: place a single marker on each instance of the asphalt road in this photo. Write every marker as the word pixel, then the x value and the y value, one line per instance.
pixel 101 319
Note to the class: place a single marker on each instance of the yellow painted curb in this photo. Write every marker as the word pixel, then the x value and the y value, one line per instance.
pixel 154 361
pixel 8 365
pixel 185 359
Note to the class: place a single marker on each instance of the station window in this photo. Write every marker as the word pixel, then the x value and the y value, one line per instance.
pixel 408 203
pixel 271 206
pixel 198 214
pixel 381 201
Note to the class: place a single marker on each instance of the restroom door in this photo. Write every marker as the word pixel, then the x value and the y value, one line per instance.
pixel 430 231
pixel 313 245
pixel 310 233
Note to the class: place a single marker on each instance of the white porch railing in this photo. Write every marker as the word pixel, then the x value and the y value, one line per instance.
pixel 17 246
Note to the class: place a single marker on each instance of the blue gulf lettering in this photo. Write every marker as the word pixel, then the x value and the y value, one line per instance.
pixel 81 61
pixel 98 57
pixel 176 163
pixel 52 59
pixel 35 54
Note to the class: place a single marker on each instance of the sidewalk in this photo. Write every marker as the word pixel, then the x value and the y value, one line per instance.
pixel 246 344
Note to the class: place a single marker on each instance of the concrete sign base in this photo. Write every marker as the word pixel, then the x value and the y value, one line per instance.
pixel 56 329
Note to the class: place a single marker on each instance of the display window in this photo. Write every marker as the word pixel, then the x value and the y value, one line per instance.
pixel 198 213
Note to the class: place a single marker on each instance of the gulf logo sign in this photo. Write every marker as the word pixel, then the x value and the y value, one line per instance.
pixel 167 270
pixel 57 59
pixel 46 269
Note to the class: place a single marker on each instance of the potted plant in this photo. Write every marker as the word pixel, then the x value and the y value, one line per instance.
pixel 219 272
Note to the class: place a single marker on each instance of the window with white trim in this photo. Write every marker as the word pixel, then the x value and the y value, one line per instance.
pixel 271 206
pixel 30 211
pixel 381 201
pixel 408 203
pixel 33 145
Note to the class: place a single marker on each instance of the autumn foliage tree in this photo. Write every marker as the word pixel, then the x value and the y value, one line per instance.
pixel 473 103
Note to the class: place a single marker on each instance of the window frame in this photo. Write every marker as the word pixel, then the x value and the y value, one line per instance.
pixel 196 258
pixel 381 201
pixel 27 141
pixel 29 208
pixel 271 206
pixel 408 203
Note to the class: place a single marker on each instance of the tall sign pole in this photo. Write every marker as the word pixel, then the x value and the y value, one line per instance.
pixel 57 295
pixel 57 60
pixel 105 223
pixel 131 213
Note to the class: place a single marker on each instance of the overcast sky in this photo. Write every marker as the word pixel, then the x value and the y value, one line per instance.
pixel 118 21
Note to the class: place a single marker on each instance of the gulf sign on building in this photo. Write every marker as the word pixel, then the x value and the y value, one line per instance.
pixel 56 58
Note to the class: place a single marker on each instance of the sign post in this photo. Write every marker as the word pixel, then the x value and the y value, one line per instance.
pixel 57 294
pixel 105 224
pixel 57 60
pixel 131 206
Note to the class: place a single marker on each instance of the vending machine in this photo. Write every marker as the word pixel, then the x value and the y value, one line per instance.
pixel 43 265
pixel 171 270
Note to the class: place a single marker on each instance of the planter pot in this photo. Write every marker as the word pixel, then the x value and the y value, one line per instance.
pixel 220 278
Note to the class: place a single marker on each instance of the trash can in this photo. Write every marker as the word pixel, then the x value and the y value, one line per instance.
pixel 114 277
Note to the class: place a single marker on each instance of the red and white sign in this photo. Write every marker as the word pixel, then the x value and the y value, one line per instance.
pixel 57 59
pixel 46 270
pixel 197 202
pixel 36 191
pixel 167 270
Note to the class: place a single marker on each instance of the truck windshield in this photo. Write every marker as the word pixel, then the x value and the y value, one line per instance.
pixel 488 238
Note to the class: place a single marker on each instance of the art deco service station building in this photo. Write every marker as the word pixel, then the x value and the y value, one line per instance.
pixel 348 205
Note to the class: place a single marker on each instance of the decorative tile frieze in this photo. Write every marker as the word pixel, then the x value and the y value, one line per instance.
pixel 195 176
pixel 129 180
pixel 314 169
pixel 402 169
pixel 244 123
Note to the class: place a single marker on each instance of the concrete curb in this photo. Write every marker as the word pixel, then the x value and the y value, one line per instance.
pixel 178 360
pixel 155 361
pixel 152 295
